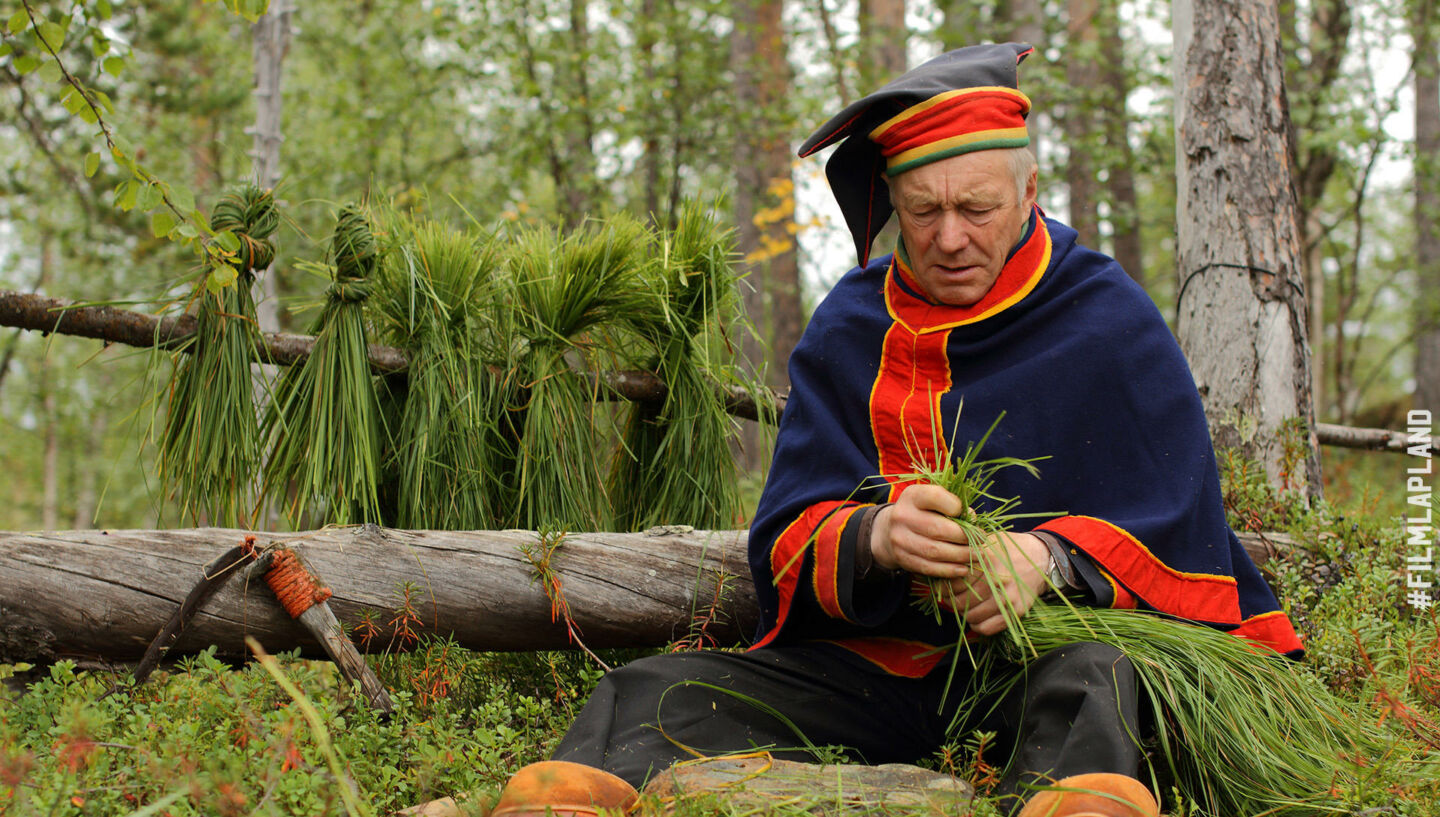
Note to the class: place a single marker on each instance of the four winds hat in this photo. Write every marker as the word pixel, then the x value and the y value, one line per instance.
pixel 961 101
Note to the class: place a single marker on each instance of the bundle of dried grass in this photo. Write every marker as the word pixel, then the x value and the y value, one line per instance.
pixel 675 464
pixel 210 446
pixel 323 420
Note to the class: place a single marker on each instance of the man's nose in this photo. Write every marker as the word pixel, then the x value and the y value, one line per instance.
pixel 952 235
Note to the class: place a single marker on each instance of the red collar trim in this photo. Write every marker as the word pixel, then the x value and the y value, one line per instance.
pixel 1020 275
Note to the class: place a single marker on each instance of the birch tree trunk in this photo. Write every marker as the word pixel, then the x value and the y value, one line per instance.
pixel 271 42
pixel 883 39
pixel 1241 305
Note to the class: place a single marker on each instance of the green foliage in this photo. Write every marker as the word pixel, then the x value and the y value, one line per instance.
pixel 214 740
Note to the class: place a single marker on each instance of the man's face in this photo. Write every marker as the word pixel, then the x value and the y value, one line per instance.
pixel 960 217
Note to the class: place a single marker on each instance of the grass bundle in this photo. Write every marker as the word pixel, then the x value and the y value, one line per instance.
pixel 1240 729
pixel 576 297
pixel 323 420
pixel 438 301
pixel 675 464
pixel 211 446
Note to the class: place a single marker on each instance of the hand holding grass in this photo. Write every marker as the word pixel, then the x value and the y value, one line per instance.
pixel 920 534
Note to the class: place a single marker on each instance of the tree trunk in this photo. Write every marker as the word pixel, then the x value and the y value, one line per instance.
pixel 1082 70
pixel 271 42
pixel 646 37
pixel 50 459
pixel 1316 67
pixel 1241 306
pixel 1125 205
pixel 49 413
pixel 580 186
pixel 765 195
pixel 105 594
pixel 1427 207
pixel 89 464
pixel 883 39
pixel 1026 19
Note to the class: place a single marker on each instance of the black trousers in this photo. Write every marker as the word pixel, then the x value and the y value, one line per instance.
pixel 1073 710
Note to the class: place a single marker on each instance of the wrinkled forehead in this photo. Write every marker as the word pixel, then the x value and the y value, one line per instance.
pixel 983 177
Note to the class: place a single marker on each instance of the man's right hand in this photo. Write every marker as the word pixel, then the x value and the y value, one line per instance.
pixel 917 534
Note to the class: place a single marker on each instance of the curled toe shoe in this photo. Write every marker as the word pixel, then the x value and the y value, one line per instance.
pixel 564 789
pixel 1101 794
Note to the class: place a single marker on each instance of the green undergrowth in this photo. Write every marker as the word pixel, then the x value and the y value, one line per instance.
pixel 208 738
pixel 212 738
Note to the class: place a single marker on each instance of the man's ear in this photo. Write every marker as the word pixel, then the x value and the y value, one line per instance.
pixel 1031 188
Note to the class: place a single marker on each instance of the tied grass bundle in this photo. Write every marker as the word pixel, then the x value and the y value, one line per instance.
pixel 675 465
pixel 576 297
pixel 211 446
pixel 439 301
pixel 323 420
pixel 1241 730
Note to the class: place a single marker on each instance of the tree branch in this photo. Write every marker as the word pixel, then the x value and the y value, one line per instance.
pixel 112 325
pixel 42 314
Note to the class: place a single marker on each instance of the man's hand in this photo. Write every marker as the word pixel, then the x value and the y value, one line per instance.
pixel 1017 565
pixel 917 534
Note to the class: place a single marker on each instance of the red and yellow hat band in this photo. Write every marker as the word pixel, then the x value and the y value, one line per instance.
pixel 952 123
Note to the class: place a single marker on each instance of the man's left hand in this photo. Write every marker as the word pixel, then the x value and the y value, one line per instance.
pixel 1016 563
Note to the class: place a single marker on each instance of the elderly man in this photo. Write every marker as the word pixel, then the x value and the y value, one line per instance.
pixel 988 302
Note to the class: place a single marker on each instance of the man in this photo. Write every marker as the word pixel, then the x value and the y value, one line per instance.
pixel 988 303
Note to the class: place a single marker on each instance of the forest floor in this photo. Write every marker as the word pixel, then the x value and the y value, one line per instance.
pixel 289 738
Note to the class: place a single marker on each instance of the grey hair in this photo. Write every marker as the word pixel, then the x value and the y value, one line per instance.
pixel 1022 164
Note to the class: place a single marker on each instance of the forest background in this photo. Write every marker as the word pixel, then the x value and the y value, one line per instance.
pixel 549 111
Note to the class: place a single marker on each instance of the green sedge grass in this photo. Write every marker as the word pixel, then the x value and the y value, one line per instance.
pixel 210 448
pixel 1238 728
pixel 578 300
pixel 438 289
pixel 323 421
pixel 674 464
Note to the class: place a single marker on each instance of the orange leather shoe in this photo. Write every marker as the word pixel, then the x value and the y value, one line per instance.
pixel 564 789
pixel 1101 794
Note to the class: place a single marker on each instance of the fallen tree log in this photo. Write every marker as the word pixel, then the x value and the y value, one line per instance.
pixel 103 595
pixel 96 595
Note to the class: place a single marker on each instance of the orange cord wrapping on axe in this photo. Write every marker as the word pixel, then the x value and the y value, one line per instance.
pixel 297 590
